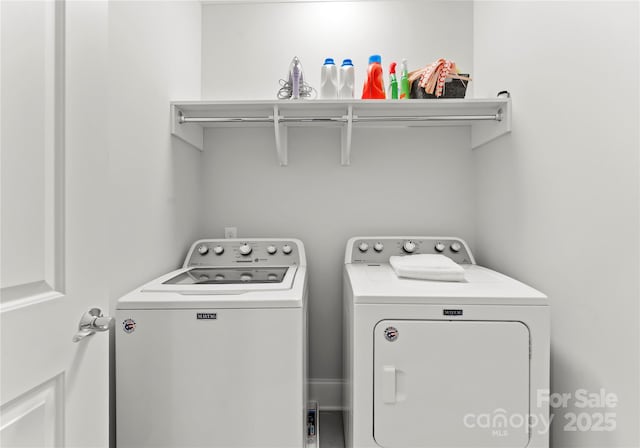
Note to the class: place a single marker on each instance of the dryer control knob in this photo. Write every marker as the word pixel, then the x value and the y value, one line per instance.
pixel 218 250
pixel 363 247
pixel 272 250
pixel 203 250
pixel 286 249
pixel 439 247
pixel 455 247
pixel 378 247
pixel 409 246
pixel 245 249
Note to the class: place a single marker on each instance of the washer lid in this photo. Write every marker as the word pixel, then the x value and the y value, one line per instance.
pixel 229 276
pixel 377 283
pixel 187 288
pixel 226 280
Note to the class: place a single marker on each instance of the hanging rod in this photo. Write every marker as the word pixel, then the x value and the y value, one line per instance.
pixel 494 117
pixel 270 119
pixel 183 119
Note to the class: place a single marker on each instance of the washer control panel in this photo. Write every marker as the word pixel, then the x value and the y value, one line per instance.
pixel 375 250
pixel 233 252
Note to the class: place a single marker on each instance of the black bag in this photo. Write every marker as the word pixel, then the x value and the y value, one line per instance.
pixel 453 88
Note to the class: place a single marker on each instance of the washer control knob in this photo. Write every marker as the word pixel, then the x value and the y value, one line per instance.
pixel 286 249
pixel 439 247
pixel 363 247
pixel 378 247
pixel 455 247
pixel 218 250
pixel 409 246
pixel 203 249
pixel 245 249
pixel 272 250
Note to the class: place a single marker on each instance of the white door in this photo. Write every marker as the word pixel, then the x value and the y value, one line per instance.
pixel 451 384
pixel 53 392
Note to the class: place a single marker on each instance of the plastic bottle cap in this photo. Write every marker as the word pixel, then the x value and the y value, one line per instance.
pixel 375 58
pixel 392 68
pixel 329 61
pixel 347 62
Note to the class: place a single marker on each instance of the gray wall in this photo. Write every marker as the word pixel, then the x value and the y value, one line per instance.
pixel 153 178
pixel 558 199
pixel 401 181
pixel 247 47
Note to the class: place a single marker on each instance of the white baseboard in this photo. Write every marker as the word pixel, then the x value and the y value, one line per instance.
pixel 327 392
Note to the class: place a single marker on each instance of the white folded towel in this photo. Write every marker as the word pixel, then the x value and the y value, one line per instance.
pixel 427 267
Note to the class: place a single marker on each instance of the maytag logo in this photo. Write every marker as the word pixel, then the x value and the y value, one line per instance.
pixel 206 316
pixel 452 312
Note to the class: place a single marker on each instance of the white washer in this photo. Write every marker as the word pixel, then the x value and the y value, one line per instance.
pixel 214 354
pixel 441 364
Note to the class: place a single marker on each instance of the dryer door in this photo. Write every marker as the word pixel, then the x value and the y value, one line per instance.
pixel 451 383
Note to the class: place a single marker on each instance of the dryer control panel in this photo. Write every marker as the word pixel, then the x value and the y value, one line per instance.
pixel 237 252
pixel 379 249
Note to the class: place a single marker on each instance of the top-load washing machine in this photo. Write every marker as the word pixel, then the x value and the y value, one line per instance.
pixel 431 364
pixel 214 354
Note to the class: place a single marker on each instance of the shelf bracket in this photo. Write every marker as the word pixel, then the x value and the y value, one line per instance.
pixel 192 134
pixel 281 137
pixel 487 131
pixel 347 131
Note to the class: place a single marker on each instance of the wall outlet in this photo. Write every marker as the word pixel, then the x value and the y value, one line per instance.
pixel 231 232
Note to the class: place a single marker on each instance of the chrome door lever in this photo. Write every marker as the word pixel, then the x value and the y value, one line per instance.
pixel 90 322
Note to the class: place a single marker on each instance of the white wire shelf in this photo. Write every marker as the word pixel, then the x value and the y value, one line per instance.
pixel 488 118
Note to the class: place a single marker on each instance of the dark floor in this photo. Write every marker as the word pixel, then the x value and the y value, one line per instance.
pixel 330 429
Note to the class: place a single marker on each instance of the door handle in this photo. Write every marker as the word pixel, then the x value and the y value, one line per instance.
pixel 90 322
pixel 388 384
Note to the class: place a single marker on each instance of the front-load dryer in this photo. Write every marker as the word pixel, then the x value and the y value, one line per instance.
pixel 433 364
pixel 214 354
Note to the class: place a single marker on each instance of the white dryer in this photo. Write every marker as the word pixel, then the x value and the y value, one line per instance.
pixel 214 354
pixel 441 364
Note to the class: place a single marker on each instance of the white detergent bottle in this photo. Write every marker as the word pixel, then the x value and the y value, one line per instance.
pixel 347 80
pixel 329 80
